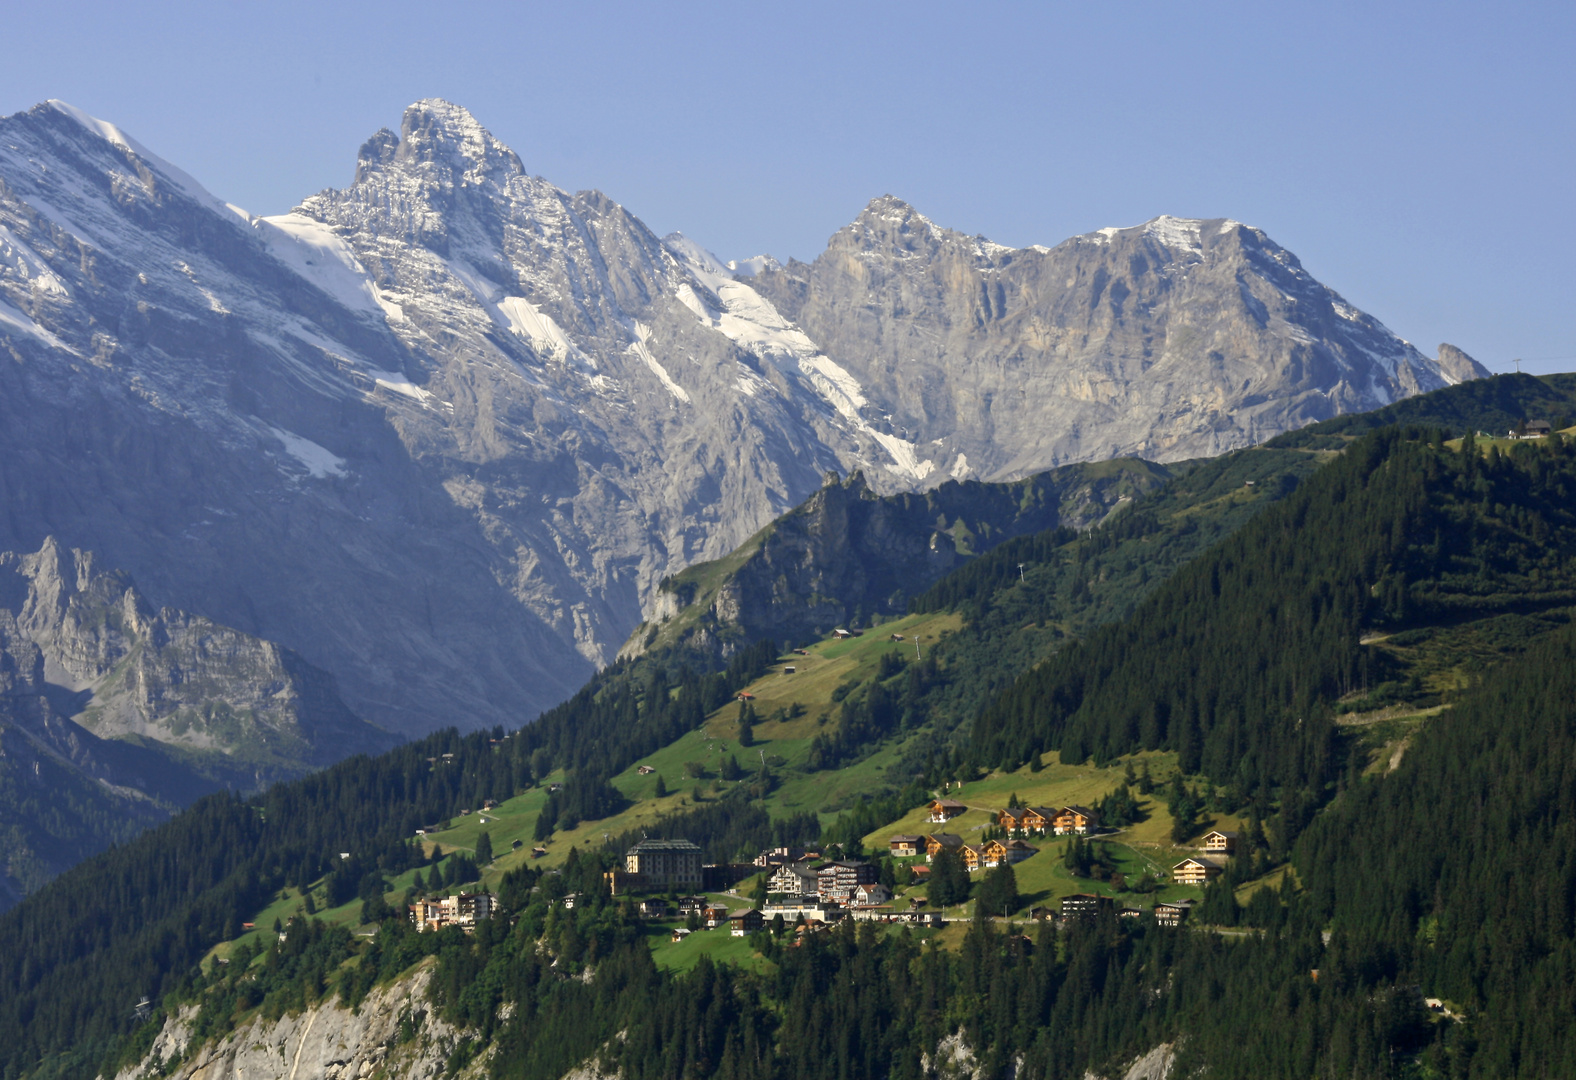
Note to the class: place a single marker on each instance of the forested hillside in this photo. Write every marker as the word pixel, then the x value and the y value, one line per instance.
pixel 1239 662
pixel 1475 909
pixel 1411 575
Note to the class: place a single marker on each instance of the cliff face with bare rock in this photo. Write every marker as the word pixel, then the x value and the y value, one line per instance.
pixel 113 714
pixel 390 1034
pixel 1173 339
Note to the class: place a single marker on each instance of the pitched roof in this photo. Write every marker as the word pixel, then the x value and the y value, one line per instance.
pixel 646 847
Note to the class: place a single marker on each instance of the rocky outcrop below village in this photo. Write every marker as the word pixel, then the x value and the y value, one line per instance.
pixel 391 1034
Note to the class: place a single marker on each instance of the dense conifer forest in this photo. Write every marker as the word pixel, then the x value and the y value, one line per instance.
pixel 1352 574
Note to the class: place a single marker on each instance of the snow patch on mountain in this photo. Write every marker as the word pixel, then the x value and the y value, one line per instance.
pixel 24 261
pixel 753 323
pixel 755 264
pixel 318 460
pixel 400 384
pixel 17 320
pixel 1174 232
pixel 638 347
pixel 537 328
pixel 316 253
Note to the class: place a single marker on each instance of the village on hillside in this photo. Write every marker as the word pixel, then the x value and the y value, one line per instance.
pixel 810 889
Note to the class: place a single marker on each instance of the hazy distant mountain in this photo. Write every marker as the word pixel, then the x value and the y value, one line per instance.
pixel 444 431
pixel 113 714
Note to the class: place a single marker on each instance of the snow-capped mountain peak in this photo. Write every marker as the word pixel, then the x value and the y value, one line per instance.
pixel 443 431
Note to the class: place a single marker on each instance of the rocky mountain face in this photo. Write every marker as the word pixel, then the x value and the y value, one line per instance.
pixel 443 432
pixel 1173 339
pixel 848 555
pixel 249 709
pixel 326 1041
pixel 113 714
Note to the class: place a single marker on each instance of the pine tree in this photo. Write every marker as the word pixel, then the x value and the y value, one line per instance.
pixel 746 724
pixel 484 851
pixel 999 891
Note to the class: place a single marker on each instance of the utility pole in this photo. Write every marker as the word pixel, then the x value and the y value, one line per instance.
pixel 1517 362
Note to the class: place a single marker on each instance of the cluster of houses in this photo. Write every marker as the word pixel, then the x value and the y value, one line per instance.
pixel 1219 846
pixel 804 887
pixel 1086 907
pixel 1016 821
pixel 1025 820
pixel 464 910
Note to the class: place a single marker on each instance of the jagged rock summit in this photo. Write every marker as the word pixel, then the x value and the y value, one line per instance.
pixel 445 430
pixel 1172 339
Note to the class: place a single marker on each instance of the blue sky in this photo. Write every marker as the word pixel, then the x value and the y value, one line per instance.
pixel 1419 158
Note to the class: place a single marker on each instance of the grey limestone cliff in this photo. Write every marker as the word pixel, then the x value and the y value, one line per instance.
pixel 113 715
pixel 124 671
pixel 389 1034
pixel 1173 339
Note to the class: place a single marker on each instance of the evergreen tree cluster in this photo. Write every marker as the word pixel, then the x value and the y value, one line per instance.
pixel 1236 663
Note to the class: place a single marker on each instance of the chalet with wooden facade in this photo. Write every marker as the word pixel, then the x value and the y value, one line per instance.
pixel 1198 870
pixel 941 810
pixel 1075 819
pixel 1221 842
pixel 936 842
pixel 973 857
pixel 746 922
pixel 997 852
pixel 1173 913
pixel 1026 819
pixel 906 847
